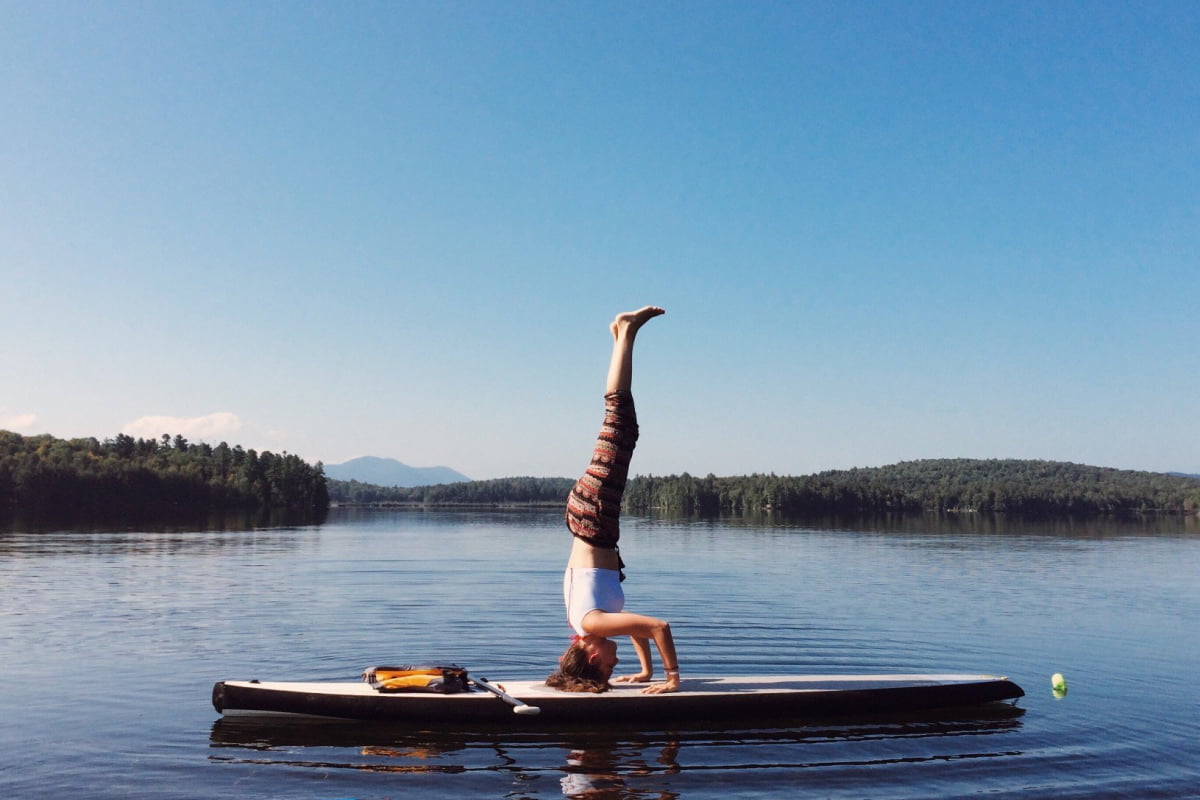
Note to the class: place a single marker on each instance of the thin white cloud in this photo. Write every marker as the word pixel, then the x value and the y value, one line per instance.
pixel 18 423
pixel 217 425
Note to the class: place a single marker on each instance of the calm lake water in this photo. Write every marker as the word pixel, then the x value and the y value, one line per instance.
pixel 110 642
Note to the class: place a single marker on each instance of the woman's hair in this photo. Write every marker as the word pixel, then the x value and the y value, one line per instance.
pixel 576 673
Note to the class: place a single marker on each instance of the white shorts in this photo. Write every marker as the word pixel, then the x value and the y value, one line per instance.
pixel 589 589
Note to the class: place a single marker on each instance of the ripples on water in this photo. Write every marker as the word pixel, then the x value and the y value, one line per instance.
pixel 630 764
pixel 111 642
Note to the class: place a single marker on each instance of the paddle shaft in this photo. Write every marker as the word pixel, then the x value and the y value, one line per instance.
pixel 519 707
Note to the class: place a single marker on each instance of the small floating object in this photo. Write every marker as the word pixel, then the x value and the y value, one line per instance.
pixel 1058 684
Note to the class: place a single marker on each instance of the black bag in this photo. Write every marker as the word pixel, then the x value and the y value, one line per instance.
pixel 437 678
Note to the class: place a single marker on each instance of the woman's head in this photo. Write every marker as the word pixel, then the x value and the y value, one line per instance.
pixel 586 666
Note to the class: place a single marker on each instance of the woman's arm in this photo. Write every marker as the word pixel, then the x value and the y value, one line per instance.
pixel 666 651
pixel 622 623
pixel 642 648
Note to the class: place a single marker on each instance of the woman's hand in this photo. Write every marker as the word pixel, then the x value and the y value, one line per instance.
pixel 640 677
pixel 670 685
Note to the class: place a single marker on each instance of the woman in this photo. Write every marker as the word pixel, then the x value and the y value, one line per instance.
pixel 592 583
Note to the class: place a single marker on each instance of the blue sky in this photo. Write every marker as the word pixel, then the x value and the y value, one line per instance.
pixel 881 231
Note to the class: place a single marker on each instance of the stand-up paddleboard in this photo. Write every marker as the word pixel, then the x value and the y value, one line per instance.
pixel 717 699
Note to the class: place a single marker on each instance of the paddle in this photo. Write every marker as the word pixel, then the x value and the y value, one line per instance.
pixel 519 707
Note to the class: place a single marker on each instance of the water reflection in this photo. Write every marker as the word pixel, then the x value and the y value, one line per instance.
pixel 618 764
pixel 604 772
pixel 230 520
pixel 975 524
pixel 114 544
pixel 416 516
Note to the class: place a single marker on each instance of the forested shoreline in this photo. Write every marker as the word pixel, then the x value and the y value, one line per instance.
pixel 133 478
pixel 1012 486
pixel 124 477
pixel 1027 487
pixel 522 491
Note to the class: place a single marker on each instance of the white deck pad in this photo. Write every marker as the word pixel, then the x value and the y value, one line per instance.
pixel 711 698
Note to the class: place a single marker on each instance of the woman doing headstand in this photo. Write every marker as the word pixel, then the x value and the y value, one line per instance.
pixel 592 583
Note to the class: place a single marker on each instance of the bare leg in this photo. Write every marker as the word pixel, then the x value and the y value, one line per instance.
pixel 624 331
pixel 594 504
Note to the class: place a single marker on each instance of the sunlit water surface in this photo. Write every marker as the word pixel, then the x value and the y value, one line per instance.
pixel 110 643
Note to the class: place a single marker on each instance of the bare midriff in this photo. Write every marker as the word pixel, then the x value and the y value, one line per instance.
pixel 586 555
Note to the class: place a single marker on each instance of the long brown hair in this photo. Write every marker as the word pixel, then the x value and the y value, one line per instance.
pixel 576 673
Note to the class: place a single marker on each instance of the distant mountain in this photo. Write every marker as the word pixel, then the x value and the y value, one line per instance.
pixel 390 472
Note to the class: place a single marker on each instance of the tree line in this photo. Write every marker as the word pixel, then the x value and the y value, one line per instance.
pixel 1026 487
pixel 124 477
pixel 128 477
pixel 500 491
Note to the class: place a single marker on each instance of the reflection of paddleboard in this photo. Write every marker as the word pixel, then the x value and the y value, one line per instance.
pixel 746 698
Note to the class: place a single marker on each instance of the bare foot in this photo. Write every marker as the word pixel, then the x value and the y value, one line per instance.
pixel 628 322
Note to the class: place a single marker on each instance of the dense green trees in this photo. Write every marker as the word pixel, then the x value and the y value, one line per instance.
pixel 127 477
pixel 1010 486
pixel 502 491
